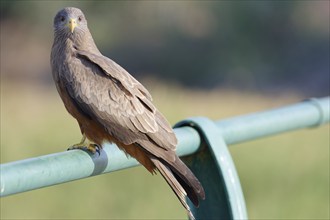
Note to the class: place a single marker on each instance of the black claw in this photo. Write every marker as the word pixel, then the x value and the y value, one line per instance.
pixel 97 149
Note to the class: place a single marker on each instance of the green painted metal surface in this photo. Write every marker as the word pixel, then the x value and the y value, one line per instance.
pixel 194 140
pixel 309 113
pixel 52 169
pixel 214 167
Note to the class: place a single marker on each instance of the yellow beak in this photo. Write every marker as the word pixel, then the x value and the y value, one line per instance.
pixel 72 24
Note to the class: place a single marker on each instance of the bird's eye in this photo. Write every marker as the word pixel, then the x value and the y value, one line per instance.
pixel 62 18
pixel 79 18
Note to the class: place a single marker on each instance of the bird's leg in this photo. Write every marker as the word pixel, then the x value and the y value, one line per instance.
pixel 86 145
pixel 83 139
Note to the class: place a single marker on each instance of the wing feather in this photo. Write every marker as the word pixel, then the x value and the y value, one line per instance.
pixel 118 73
pixel 119 103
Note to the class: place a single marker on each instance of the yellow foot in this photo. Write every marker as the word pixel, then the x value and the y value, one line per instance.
pixel 93 148
pixel 86 146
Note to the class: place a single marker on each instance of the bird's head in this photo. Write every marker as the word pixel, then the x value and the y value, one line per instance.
pixel 70 21
pixel 70 25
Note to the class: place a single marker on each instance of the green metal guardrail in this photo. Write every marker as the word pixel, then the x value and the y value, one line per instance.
pixel 201 141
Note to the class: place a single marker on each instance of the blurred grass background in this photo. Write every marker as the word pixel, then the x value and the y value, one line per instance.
pixel 214 59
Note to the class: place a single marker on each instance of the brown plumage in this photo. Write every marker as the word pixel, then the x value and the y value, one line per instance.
pixel 112 106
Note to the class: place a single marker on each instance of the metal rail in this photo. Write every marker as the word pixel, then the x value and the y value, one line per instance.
pixel 43 171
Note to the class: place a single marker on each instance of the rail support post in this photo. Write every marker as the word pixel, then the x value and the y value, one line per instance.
pixel 214 167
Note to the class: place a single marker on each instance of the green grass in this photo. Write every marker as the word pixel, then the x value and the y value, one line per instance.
pixel 283 177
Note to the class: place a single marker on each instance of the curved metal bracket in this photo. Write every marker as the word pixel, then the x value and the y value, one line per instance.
pixel 214 167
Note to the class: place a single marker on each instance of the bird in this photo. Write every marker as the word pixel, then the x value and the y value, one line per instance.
pixel 111 106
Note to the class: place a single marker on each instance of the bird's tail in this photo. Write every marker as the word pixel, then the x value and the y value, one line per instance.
pixel 182 181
